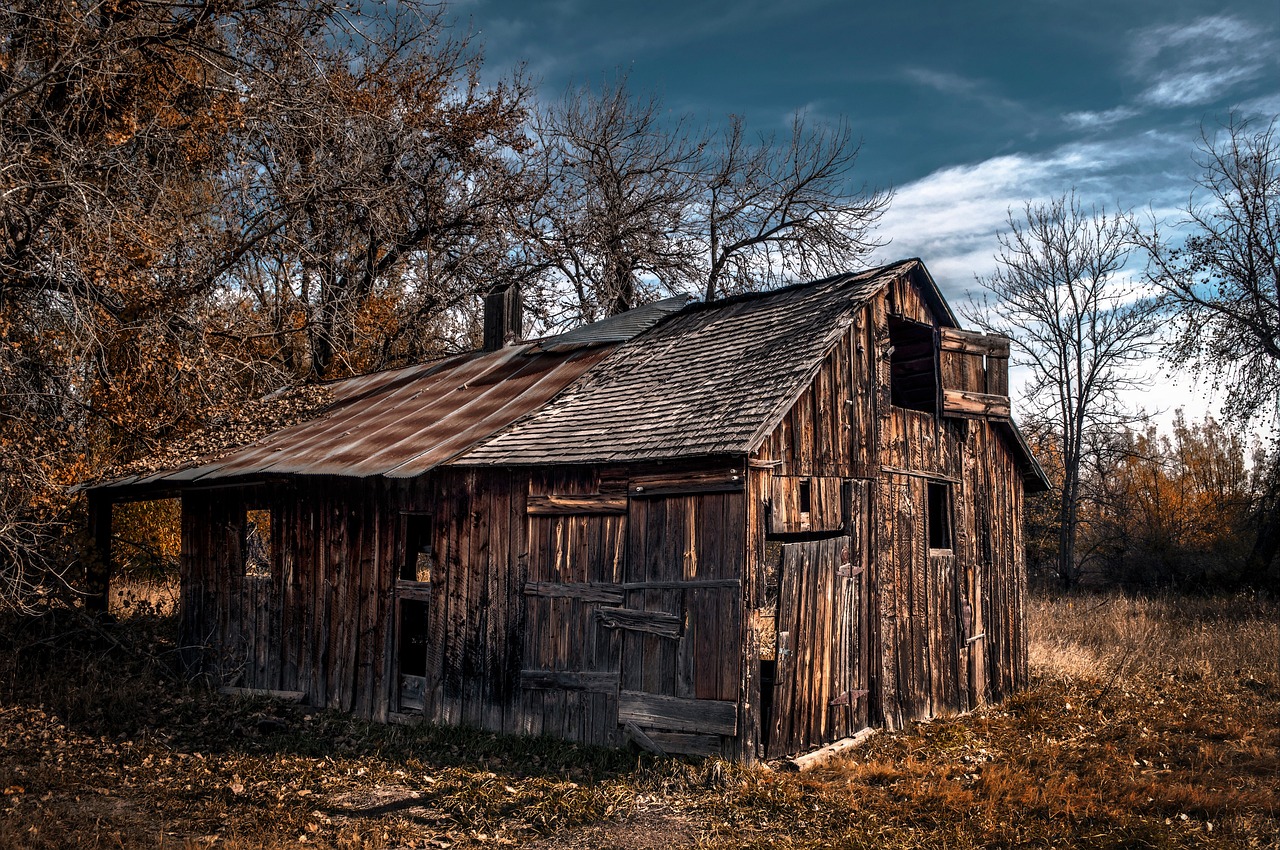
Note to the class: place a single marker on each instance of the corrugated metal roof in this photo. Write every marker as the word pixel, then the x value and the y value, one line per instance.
pixel 703 382
pixel 403 422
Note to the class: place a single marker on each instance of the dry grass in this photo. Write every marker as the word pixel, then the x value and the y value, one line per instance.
pixel 1149 724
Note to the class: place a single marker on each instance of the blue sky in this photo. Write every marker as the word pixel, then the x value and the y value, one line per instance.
pixel 964 109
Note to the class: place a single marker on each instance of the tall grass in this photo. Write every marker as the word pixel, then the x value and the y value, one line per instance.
pixel 1111 635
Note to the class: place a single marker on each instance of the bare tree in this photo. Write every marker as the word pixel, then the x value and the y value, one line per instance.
pixel 774 212
pixel 638 203
pixel 616 185
pixel 1222 284
pixel 1078 327
pixel 378 169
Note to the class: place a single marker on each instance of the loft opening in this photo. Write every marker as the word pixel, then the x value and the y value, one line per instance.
pixel 913 365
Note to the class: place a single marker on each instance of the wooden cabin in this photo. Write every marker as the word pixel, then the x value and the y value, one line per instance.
pixel 744 528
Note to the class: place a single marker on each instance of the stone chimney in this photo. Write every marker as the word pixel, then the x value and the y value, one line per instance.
pixel 503 317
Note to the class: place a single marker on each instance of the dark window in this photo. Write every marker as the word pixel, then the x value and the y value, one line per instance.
pixel 913 365
pixel 258 554
pixel 413 637
pixel 939 515
pixel 418 556
pixel 806 496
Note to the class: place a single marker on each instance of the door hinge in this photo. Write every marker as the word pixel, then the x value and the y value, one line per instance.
pixel 849 570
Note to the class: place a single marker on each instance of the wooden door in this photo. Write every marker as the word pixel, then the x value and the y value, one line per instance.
pixel 569 673
pixel 680 622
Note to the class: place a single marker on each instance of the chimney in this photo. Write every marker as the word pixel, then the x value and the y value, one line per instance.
pixel 503 317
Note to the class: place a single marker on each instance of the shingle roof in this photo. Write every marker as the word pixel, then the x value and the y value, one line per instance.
pixel 705 381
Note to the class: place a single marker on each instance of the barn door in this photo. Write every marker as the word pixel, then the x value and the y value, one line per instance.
pixel 823 640
pixel 680 622
pixel 569 674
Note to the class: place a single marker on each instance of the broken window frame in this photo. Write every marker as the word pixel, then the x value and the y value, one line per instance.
pixel 257 549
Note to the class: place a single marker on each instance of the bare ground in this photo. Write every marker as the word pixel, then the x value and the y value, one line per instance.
pixel 1149 724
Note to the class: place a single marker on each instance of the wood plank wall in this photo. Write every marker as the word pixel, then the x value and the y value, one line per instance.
pixel 287 630
pixel 557 603
pixel 842 426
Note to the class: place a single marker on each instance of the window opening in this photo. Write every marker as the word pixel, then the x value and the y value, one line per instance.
pixel 258 553
pixel 806 496
pixel 939 515
pixel 419 559
pixel 913 374
pixel 413 637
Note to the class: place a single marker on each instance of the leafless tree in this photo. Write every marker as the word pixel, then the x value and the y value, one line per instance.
pixel 1222 285
pixel 378 169
pixel 616 184
pixel 1078 327
pixel 772 213
pixel 638 203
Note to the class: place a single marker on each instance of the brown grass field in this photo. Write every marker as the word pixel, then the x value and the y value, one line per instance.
pixel 1149 724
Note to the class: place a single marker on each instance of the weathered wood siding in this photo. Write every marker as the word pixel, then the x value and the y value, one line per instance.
pixel 569 602
pixel 946 631
pixel 316 621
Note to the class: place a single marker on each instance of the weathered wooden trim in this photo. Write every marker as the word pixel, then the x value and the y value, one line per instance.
pixel 757 463
pixel 574 680
pixel 418 591
pixel 680 483
pixel 712 717
pixel 973 342
pixel 913 473
pixel 963 402
pixel 287 696
pixel 821 756
pixel 560 504
pixel 688 743
pixel 657 623
pixel 609 594
pixel 636 735
pixel 685 584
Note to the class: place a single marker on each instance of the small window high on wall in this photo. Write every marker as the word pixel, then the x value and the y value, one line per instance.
pixel 258 551
pixel 913 365
pixel 419 559
pixel 940 523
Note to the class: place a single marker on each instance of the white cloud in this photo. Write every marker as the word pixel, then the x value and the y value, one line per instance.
pixel 1099 120
pixel 1196 63
pixel 951 218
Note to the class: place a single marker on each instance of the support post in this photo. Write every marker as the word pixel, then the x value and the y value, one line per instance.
pixel 98 572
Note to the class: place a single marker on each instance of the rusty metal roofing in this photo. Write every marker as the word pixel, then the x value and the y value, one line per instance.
pixel 401 423
pixel 708 380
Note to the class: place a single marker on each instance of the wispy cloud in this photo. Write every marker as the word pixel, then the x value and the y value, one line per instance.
pixel 959 86
pixel 1197 62
pixel 951 217
pixel 1099 120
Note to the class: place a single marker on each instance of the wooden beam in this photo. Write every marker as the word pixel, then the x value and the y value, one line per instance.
pixel 711 717
pixel 608 594
pixel 571 505
pixel 287 696
pixel 821 756
pixel 571 680
pixel 635 735
pixel 657 623
pixel 975 404
pixel 678 483
pixel 98 575
pixel 972 342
